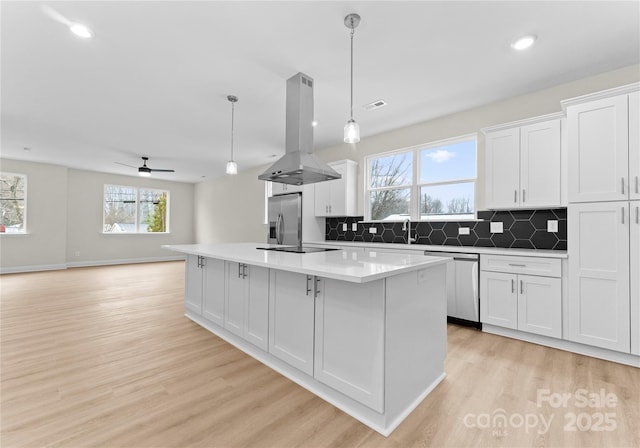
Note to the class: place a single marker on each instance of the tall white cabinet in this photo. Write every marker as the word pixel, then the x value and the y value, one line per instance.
pixel 338 197
pixel 604 219
pixel 523 163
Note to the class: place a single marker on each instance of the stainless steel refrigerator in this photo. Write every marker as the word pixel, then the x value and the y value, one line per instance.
pixel 285 219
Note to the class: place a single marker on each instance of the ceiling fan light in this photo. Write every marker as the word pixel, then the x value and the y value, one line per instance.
pixel 80 30
pixel 523 42
pixel 144 173
pixel 351 132
pixel 232 167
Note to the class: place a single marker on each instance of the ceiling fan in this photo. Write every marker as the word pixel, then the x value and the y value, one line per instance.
pixel 144 170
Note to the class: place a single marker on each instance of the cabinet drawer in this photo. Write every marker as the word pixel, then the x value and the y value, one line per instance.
pixel 548 267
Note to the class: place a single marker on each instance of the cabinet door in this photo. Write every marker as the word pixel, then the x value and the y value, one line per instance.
pixel 634 265
pixel 235 298
pixel 280 188
pixel 540 164
pixel 634 145
pixel 193 284
pixel 599 274
pixel 338 194
pixel 503 168
pixel 256 322
pixel 598 150
pixel 213 290
pixel 540 305
pixel 498 299
pixel 322 196
pixel 349 350
pixel 291 319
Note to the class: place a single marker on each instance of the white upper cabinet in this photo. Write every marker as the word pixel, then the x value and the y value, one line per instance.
pixel 604 159
pixel 280 188
pixel 338 197
pixel 523 164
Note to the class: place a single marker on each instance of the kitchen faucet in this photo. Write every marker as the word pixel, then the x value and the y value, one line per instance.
pixel 407 226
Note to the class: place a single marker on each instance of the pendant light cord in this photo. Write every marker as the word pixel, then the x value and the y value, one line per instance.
pixel 352 32
pixel 232 116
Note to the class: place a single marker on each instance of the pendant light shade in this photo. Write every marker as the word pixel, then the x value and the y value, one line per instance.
pixel 351 129
pixel 232 166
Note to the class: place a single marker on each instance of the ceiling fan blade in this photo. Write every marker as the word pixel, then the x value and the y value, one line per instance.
pixel 163 171
pixel 124 164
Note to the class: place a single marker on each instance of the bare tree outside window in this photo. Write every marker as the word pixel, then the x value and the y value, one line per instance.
pixel 12 203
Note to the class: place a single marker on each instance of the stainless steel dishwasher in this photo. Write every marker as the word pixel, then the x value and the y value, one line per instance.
pixel 463 301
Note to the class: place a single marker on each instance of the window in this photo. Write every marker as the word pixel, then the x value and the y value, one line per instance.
pixel 13 203
pixel 433 181
pixel 135 210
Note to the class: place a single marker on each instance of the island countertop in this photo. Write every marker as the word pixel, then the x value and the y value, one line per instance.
pixel 347 265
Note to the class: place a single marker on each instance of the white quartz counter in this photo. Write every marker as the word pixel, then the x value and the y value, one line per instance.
pixel 460 249
pixel 351 265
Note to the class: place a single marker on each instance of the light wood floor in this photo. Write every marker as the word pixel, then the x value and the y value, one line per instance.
pixel 104 357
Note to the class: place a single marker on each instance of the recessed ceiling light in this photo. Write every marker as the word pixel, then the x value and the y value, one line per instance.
pixel 314 123
pixel 523 42
pixel 80 30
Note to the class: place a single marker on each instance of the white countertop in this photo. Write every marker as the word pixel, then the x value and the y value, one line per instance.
pixel 458 249
pixel 347 265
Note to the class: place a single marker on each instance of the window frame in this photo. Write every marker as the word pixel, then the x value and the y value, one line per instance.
pixel 24 208
pixel 415 185
pixel 137 209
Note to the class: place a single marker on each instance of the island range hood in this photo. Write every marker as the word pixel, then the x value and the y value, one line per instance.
pixel 299 166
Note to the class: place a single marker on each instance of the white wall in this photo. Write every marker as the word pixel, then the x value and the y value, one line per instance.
pixel 64 217
pixel 241 196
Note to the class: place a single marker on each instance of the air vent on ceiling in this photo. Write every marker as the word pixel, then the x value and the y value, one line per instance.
pixel 375 105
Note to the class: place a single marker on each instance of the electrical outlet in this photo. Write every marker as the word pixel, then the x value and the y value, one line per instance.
pixel 344 226
pixel 552 225
pixel 354 226
pixel 463 230
pixel 77 254
pixel 496 227
pixel 373 230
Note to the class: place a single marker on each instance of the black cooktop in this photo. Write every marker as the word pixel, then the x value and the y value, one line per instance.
pixel 298 249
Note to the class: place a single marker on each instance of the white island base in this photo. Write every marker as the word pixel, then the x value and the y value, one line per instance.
pixel 374 349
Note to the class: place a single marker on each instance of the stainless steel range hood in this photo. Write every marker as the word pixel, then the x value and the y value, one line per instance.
pixel 299 165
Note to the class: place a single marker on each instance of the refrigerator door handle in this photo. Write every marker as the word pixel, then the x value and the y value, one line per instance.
pixel 279 229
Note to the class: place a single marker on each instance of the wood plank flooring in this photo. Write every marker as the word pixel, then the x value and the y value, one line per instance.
pixel 103 357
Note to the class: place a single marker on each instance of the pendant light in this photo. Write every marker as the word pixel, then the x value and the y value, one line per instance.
pixel 351 129
pixel 232 167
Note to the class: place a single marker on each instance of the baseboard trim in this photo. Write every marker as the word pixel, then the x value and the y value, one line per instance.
pixel 82 264
pixel 569 346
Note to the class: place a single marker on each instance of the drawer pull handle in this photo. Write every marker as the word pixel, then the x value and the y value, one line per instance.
pixel 622 213
pixel 622 179
pixel 637 185
pixel 515 265
pixel 515 196
pixel 523 195
pixel 308 288
pixel 637 215
pixel 521 287
pixel 513 286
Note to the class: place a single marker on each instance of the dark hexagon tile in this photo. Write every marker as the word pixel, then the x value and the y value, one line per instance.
pixel 482 229
pixel 451 229
pixel 452 242
pixel 333 223
pixel 542 239
pixel 521 215
pixel 522 230
pixel 522 244
pixel 437 237
pixel 468 240
pixel 504 217
pixel 484 242
pixel 561 213
pixel 387 235
pixel 332 235
pixel 367 237
pixel 502 239
pixel 486 215
pixel 399 240
pixel 562 245
pixel 349 235
pixel 437 225
pixel 377 238
pixel 562 229
pixel 540 217
pixel 423 229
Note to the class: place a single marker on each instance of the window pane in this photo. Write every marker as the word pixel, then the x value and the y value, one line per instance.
pixel 391 171
pixel 119 209
pixel 452 199
pixel 12 201
pixel 448 162
pixel 390 204
pixel 153 211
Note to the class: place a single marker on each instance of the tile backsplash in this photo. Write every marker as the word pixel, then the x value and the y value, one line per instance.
pixel 522 229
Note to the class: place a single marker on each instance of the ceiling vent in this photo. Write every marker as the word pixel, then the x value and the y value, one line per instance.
pixel 375 105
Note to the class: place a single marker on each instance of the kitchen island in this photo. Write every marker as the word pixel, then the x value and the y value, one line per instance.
pixel 364 331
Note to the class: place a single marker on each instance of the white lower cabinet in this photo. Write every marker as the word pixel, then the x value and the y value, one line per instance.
pixel 213 296
pixel 599 274
pixel 514 299
pixel 193 287
pixel 247 303
pixel 291 318
pixel 349 339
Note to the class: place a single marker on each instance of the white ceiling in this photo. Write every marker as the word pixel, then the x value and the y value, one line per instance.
pixel 154 79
